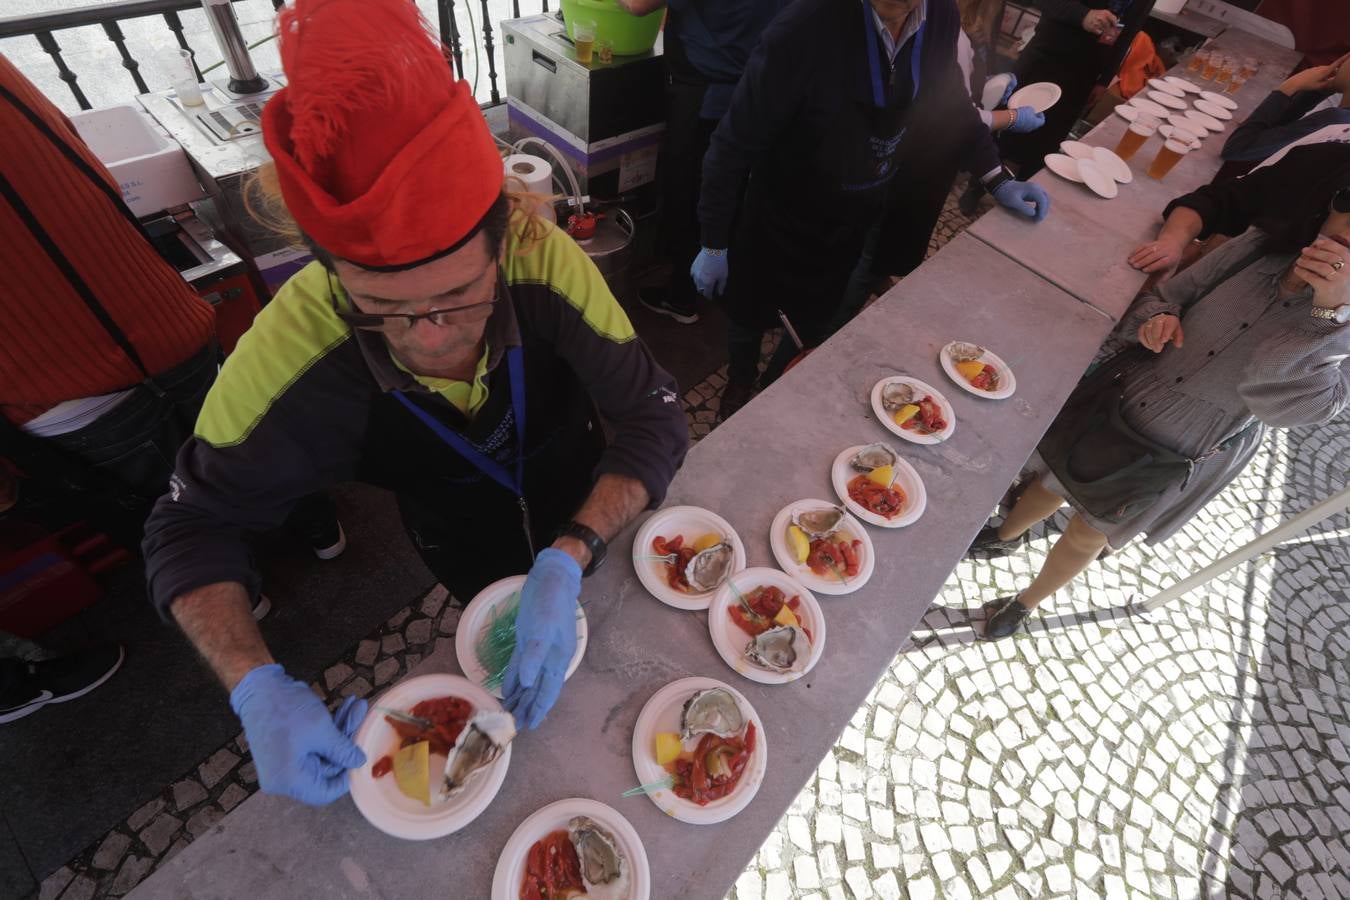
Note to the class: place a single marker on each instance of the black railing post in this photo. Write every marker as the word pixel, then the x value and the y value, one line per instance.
pixel 114 32
pixel 491 58
pixel 445 9
pixel 176 26
pixel 515 9
pixel 48 43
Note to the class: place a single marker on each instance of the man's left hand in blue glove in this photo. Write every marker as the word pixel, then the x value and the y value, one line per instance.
pixel 546 637
pixel 1024 119
pixel 1023 198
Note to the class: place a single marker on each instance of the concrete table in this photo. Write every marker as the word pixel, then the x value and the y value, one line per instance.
pixel 1082 247
pixel 777 450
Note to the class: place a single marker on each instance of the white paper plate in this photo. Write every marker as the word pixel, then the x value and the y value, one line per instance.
pixel 1127 112
pixel 916 498
pixel 1114 167
pixel 554 817
pixel 662 713
pixel 380 800
pixel 1039 96
pixel 1180 120
pixel 994 86
pixel 1097 181
pixel 1213 109
pixel 1005 374
pixel 819 584
pixel 692 522
pixel 922 388
pixel 1208 121
pixel 1188 87
pixel 1167 87
pixel 1153 109
pixel 1076 149
pixel 1065 167
pixel 730 640
pixel 1171 101
pixel 475 618
pixel 1219 99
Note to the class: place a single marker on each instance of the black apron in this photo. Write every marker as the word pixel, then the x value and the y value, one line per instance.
pixel 798 242
pixel 467 528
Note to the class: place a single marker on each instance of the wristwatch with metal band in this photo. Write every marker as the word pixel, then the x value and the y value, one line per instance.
pixel 595 542
pixel 1338 314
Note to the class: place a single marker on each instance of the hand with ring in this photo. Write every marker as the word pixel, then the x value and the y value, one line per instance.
pixel 1159 331
pixel 1098 20
pixel 1322 266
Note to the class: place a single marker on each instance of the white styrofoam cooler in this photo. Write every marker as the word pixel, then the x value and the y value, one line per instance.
pixel 151 169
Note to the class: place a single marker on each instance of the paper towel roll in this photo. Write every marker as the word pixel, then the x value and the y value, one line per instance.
pixel 533 173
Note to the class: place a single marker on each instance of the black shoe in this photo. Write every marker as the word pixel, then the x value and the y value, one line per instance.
pixel 988 544
pixel 1008 619
pixel 36 684
pixel 734 396
pixel 661 301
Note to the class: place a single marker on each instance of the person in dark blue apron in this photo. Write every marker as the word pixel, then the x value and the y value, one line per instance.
pixel 447 345
pixel 816 127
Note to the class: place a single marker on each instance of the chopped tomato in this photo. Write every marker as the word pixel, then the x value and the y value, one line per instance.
pixel 552 869
pixel 675 571
pixel 764 602
pixel 987 380
pixel 715 767
pixel 886 502
pixel 448 716
pixel 383 766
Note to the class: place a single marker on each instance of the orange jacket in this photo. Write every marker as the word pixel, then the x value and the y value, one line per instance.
pixel 1140 64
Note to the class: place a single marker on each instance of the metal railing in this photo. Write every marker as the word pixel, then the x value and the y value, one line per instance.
pixel 45 27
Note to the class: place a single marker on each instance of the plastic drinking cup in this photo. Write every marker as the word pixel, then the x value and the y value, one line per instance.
pixel 176 64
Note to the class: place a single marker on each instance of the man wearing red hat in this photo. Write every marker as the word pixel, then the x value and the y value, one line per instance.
pixel 446 345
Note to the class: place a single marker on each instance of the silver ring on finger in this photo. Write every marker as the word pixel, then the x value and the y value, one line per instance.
pixel 1338 264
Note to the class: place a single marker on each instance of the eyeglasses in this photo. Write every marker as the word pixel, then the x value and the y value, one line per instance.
pixel 392 322
pixel 1340 201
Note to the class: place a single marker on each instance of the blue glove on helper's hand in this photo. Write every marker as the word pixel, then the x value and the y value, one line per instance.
pixel 546 637
pixel 709 272
pixel 1024 198
pixel 1025 118
pixel 1008 91
pixel 300 750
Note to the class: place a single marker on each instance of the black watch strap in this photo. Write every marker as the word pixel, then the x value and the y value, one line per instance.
pixel 587 536
pixel 1002 178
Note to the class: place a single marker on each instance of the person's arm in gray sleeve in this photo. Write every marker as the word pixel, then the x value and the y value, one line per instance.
pixel 1298 376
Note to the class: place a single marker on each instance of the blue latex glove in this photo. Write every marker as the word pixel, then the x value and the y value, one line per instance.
pixel 1024 198
pixel 546 637
pixel 1008 91
pixel 709 273
pixel 299 749
pixel 1025 118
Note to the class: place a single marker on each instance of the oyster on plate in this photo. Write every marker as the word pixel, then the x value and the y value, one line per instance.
pixel 820 522
pixel 708 569
pixel 874 456
pixel 712 711
pixel 784 649
pixel 963 352
pixel 604 870
pixel 482 740
pixel 898 394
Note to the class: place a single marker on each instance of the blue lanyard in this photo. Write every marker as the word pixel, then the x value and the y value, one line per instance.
pixel 874 58
pixel 480 461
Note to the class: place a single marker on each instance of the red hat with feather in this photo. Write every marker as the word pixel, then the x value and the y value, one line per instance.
pixel 383 156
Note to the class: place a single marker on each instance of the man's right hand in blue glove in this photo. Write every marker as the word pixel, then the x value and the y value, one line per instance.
pixel 1025 118
pixel 299 749
pixel 709 272
pixel 546 637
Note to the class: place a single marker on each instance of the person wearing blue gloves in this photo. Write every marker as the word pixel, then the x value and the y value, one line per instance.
pixel 835 97
pixel 446 345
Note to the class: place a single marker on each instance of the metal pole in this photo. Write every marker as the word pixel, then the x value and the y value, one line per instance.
pixel 244 78
pixel 1300 523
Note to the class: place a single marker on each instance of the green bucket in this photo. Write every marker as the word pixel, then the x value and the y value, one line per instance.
pixel 628 34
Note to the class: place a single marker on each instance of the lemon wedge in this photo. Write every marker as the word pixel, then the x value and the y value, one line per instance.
pixel 708 540
pixel 799 543
pixel 882 475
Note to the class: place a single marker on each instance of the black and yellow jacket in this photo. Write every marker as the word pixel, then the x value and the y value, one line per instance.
pixel 305 402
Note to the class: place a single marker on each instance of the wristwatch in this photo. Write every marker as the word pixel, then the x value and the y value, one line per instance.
pixel 595 542
pixel 1000 178
pixel 1338 314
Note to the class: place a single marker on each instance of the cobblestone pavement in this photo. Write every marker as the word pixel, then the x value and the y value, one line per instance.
pixel 1199 751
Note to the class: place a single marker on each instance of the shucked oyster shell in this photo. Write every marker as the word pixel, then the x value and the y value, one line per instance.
pixel 898 394
pixel 604 870
pixel 479 744
pixel 708 569
pixel 962 352
pixel 784 649
pixel 820 522
pixel 712 711
pixel 874 456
